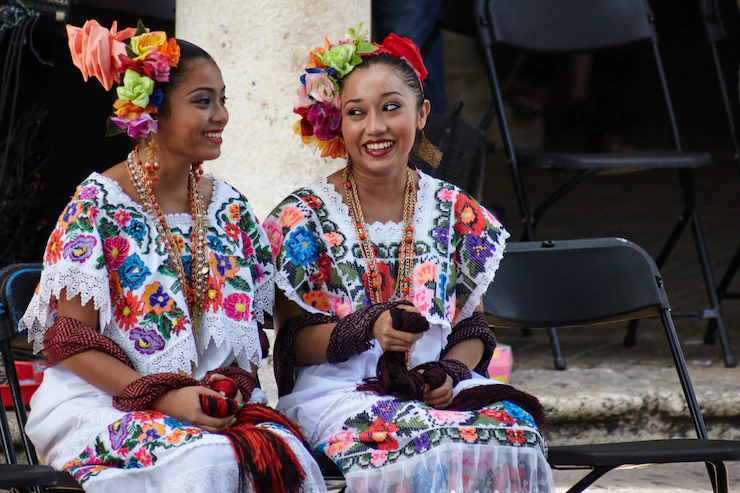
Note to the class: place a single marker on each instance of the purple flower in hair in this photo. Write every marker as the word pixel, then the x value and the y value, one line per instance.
pixel 141 128
pixel 326 120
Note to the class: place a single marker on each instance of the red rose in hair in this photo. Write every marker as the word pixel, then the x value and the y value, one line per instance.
pixel 404 48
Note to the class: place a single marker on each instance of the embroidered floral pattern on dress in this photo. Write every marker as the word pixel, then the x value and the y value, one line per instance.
pixel 132 442
pixel 319 265
pixel 105 248
pixel 392 431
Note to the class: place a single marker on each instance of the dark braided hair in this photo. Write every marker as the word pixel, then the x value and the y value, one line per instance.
pixel 400 66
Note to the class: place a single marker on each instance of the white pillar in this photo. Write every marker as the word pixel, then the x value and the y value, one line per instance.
pixel 261 48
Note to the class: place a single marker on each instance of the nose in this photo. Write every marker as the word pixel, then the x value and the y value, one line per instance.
pixel 375 123
pixel 220 115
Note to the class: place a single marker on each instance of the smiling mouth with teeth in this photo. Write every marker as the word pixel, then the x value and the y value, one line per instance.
pixel 379 146
pixel 213 135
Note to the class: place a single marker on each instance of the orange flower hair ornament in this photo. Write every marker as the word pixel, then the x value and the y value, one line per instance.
pixel 144 59
pixel 319 101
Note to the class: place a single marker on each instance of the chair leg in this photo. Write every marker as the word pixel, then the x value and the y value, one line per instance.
pixel 706 268
pixel 15 391
pixel 590 479
pixel 724 284
pixel 720 479
pixel 557 353
pixel 6 437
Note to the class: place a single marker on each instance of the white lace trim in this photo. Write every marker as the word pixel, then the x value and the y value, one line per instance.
pixel 240 337
pixel 181 217
pixel 485 279
pixel 89 285
pixel 376 230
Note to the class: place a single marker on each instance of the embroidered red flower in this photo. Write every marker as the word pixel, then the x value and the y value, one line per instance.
pixel 325 267
pixel 312 201
pixel 468 216
pixel 380 433
pixel 115 251
pixel 54 247
pixel 233 231
pixel 516 437
pixel 468 434
pixel 128 310
pixel 501 416
pixel 387 283
pixel 214 295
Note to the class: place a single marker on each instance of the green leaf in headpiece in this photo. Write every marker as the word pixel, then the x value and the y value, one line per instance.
pixel 111 129
pixel 140 28
pixel 365 47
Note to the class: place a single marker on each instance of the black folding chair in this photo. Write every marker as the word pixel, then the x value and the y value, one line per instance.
pixel 712 17
pixel 577 26
pixel 592 282
pixel 17 285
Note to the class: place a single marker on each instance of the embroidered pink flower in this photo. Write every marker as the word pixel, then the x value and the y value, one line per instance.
pixel 115 251
pixel 122 217
pixel 341 306
pixel 291 217
pixel 334 239
pixel 423 299
pixel 275 234
pixel 247 249
pixel 237 306
pixel 144 457
pixel 378 458
pixel 448 417
pixel 425 273
pixel 446 195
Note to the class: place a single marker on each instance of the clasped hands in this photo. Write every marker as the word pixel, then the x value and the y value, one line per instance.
pixel 391 339
pixel 184 404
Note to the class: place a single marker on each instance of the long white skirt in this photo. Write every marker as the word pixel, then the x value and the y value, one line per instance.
pixel 75 427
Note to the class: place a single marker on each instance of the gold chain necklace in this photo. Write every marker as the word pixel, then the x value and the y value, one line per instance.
pixel 403 288
pixel 194 289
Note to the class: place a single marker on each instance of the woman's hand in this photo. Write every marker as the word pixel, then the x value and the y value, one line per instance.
pixel 184 404
pixel 215 377
pixel 441 397
pixel 391 339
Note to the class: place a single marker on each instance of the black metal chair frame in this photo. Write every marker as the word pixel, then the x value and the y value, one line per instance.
pixel 712 19
pixel 613 280
pixel 488 37
pixel 14 304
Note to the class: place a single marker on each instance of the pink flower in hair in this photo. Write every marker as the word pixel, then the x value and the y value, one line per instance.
pixel 159 66
pixel 95 50
pixel 141 128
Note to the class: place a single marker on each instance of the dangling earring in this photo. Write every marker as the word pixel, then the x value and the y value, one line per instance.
pixel 197 169
pixel 152 165
pixel 428 151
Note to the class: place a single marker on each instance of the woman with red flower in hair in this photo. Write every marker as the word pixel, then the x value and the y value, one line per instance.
pixel 381 342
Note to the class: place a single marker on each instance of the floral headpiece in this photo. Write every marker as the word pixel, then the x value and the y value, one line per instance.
pixel 319 101
pixel 144 60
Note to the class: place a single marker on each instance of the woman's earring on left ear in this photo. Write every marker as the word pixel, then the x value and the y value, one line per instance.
pixel 152 165
pixel 429 152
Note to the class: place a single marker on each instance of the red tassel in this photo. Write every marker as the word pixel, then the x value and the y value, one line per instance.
pixel 226 385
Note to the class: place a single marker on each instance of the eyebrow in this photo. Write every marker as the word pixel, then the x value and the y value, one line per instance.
pixel 207 89
pixel 385 94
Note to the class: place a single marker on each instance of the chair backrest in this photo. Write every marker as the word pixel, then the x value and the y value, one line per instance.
pixel 574 282
pixel 17 285
pixel 562 26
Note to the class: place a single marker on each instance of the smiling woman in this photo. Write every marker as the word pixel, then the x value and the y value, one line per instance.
pixel 381 341
pixel 155 281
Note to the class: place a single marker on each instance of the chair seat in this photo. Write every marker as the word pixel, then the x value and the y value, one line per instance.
pixel 65 483
pixel 20 476
pixel 646 452
pixel 614 161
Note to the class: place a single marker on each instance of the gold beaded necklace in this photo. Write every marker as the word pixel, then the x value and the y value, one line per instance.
pixel 403 287
pixel 194 288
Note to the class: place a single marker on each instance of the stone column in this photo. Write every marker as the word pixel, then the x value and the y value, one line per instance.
pixel 261 48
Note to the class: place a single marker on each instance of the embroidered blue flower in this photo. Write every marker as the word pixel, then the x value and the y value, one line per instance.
pixel 385 409
pixel 174 423
pixel 301 247
pixel 133 272
pixel 481 249
pixel 421 442
pixel 136 229
pixel 442 234
pixel 518 413
pixel 215 243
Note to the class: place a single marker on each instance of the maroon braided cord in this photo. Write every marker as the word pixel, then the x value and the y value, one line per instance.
pixel 68 336
pixel 473 327
pixel 140 394
pixel 456 369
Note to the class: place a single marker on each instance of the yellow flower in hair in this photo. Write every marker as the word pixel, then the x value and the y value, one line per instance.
pixel 146 43
pixel 136 88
